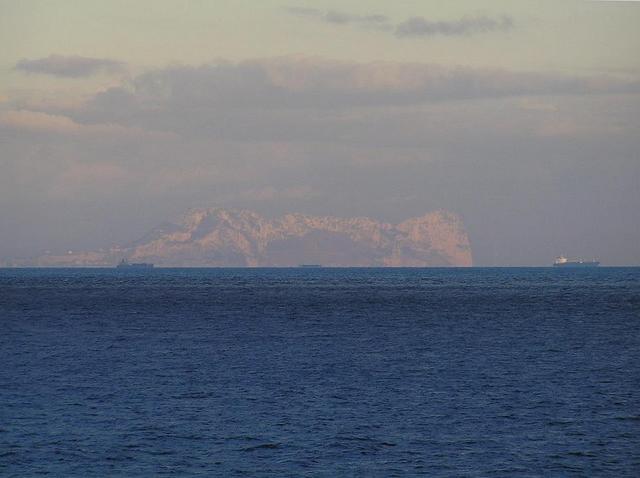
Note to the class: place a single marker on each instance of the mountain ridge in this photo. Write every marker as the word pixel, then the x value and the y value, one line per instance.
pixel 240 237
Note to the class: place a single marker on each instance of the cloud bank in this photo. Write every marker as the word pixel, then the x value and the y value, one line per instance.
pixel 412 27
pixel 70 66
pixel 299 83
pixel 294 99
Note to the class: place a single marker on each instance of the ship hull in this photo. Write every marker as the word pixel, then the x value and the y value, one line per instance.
pixel 578 264
pixel 142 266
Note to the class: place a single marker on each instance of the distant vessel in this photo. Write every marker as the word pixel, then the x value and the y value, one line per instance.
pixel 134 265
pixel 562 261
pixel 310 266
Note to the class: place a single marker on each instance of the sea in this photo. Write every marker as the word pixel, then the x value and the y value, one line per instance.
pixel 327 372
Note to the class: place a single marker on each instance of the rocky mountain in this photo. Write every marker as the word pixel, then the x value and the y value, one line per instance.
pixel 230 237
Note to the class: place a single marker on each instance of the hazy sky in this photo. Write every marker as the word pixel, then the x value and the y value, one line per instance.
pixel 522 117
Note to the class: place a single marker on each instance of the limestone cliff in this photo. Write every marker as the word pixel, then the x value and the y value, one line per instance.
pixel 230 237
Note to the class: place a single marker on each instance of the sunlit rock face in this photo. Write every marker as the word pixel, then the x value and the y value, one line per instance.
pixel 224 237
pixel 238 238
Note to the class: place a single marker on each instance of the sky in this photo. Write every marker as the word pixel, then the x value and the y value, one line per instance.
pixel 521 117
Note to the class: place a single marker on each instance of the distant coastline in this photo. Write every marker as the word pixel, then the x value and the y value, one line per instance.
pixel 218 237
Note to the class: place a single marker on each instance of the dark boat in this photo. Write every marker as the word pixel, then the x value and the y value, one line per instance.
pixel 134 265
pixel 310 266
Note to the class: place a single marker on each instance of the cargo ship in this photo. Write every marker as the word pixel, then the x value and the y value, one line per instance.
pixel 562 261
pixel 134 265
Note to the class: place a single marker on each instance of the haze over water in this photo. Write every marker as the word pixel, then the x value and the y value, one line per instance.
pixel 320 372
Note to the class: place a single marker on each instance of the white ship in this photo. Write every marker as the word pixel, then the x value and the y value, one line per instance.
pixel 562 261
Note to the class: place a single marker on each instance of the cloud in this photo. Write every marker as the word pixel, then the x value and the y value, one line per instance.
pixel 341 18
pixel 298 100
pixel 305 100
pixel 70 66
pixel 422 27
pixel 298 83
pixel 39 122
pixel 412 27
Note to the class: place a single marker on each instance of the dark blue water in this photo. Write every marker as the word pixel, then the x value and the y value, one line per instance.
pixel 323 372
